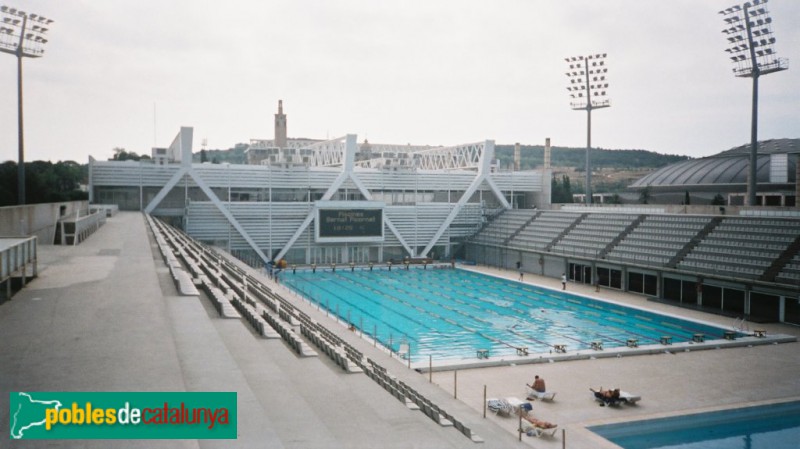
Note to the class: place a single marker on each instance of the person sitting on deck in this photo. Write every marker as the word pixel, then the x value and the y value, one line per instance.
pixel 538 384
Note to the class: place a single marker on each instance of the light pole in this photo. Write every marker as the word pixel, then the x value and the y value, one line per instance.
pixel 587 87
pixel 749 33
pixel 23 41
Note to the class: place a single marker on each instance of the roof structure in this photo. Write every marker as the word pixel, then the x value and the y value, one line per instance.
pixel 727 167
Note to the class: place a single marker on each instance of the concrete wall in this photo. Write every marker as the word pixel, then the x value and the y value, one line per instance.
pixel 38 219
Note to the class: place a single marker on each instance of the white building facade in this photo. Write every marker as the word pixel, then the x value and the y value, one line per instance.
pixel 325 202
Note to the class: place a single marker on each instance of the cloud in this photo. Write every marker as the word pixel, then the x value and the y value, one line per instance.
pixel 419 72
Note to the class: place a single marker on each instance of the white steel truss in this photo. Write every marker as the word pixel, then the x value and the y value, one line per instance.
pixel 342 152
pixel 347 173
pixel 328 153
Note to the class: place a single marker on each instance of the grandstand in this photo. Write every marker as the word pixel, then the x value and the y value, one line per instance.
pixel 447 202
pixel 425 200
pixel 738 265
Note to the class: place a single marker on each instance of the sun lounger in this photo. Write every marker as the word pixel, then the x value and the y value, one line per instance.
pixel 537 428
pixel 544 396
pixel 629 398
pixel 624 398
pixel 508 406
pixel 538 432
pixel 499 406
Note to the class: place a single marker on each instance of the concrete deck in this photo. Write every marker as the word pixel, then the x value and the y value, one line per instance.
pixel 105 316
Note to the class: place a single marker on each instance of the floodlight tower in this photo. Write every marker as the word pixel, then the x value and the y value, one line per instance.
pixel 749 32
pixel 587 87
pixel 23 41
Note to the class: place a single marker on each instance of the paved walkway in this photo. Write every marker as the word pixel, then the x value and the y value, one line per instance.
pixel 105 316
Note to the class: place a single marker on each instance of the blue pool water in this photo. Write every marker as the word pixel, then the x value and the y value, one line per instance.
pixel 450 314
pixel 763 427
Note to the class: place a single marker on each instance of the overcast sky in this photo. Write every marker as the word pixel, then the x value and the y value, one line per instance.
pixel 129 73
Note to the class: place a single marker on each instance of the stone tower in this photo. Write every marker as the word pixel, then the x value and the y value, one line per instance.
pixel 280 127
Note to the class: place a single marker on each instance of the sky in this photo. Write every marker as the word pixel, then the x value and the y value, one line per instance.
pixel 130 73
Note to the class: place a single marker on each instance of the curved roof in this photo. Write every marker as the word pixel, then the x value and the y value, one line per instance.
pixel 728 167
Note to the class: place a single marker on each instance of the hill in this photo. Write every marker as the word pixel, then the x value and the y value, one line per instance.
pixel 532 156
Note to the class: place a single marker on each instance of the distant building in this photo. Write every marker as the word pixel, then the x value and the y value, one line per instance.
pixel 725 174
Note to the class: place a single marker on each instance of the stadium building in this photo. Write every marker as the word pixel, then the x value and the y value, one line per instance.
pixel 337 202
pixel 323 202
pixel 725 174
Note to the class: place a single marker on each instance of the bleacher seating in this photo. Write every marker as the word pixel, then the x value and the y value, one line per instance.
pixel 591 236
pixel 543 230
pixel 791 272
pixel 741 247
pixel 499 229
pixel 231 288
pixel 657 239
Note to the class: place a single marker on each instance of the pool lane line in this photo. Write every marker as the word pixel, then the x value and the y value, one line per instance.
pixel 479 298
pixel 472 317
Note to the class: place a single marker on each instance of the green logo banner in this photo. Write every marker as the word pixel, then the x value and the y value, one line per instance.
pixel 122 415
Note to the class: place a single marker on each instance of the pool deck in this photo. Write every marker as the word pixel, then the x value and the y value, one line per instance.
pixel 670 383
pixel 105 316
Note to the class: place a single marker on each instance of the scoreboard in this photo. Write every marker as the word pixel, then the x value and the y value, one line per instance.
pixel 349 222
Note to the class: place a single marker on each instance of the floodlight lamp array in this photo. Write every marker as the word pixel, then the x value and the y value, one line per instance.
pixel 748 28
pixel 587 81
pixel 18 28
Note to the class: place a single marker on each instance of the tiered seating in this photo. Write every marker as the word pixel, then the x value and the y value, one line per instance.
pixel 503 226
pixel 543 230
pixel 657 239
pixel 790 272
pixel 331 349
pixel 234 286
pixel 741 247
pixel 414 399
pixel 591 236
pixel 250 313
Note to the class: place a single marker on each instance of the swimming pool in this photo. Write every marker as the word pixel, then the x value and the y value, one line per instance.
pixel 774 426
pixel 452 314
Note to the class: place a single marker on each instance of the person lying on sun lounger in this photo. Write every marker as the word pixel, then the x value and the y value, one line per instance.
pixel 538 428
pixel 539 423
pixel 615 397
pixel 606 396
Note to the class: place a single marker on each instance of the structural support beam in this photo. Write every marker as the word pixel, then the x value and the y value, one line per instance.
pixel 351 147
pixel 173 181
pixel 483 175
pixel 228 215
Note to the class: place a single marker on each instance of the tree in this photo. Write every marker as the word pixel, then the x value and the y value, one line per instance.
pixel 561 192
pixel 614 199
pixel 718 200
pixel 645 195
pixel 121 155
pixel 203 156
pixel 45 182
